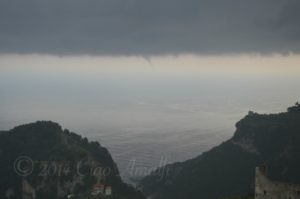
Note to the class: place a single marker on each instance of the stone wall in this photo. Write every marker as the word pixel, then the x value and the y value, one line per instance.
pixel 27 191
pixel 267 189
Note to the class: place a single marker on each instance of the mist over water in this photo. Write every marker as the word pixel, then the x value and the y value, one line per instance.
pixel 143 116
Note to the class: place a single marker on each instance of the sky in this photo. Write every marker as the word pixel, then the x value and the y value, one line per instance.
pixel 143 27
pixel 148 78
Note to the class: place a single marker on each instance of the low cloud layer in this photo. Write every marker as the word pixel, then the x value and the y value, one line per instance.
pixel 144 27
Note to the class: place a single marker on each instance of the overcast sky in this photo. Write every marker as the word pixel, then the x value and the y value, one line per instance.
pixel 149 27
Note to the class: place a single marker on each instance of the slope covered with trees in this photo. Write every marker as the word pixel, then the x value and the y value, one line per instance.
pixel 59 163
pixel 228 169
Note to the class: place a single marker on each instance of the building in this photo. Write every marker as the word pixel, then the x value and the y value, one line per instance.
pixel 98 188
pixel 267 189
pixel 70 196
pixel 108 191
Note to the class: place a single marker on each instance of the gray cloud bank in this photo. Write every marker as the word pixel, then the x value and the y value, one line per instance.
pixel 149 27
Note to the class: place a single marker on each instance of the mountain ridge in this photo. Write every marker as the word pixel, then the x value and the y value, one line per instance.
pixel 63 163
pixel 228 169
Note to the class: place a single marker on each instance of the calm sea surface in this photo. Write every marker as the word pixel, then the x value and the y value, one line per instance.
pixel 144 121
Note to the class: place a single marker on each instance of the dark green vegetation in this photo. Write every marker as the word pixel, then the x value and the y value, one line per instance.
pixel 56 154
pixel 228 169
pixel 250 196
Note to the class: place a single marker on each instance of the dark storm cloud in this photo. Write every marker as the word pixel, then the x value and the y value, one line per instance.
pixel 149 27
